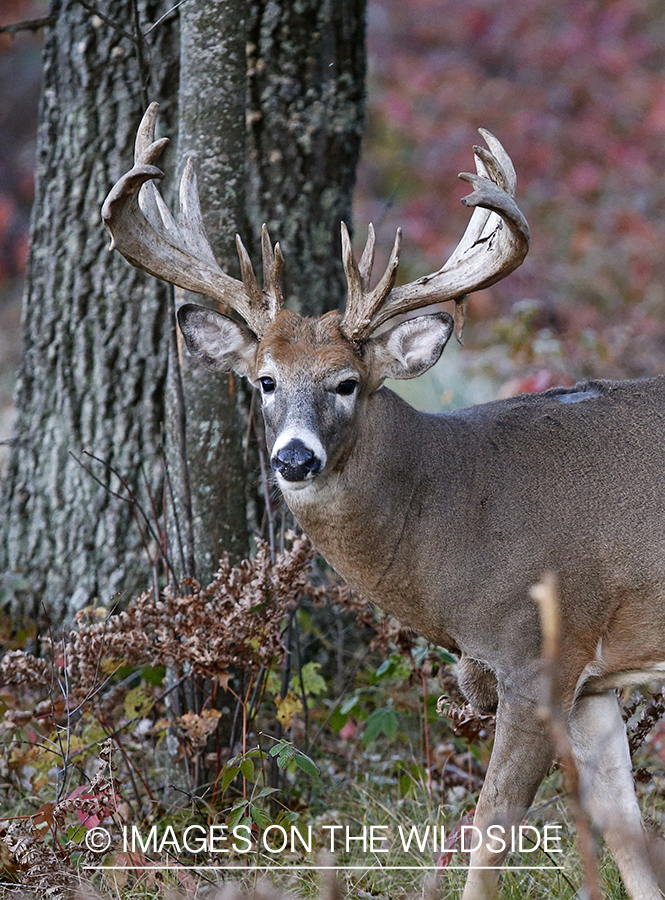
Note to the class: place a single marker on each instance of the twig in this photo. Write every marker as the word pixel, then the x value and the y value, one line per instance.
pixel 546 598
pixel 166 15
pixel 28 25
pixel 181 429
pixel 96 12
pixel 138 39
pixel 136 508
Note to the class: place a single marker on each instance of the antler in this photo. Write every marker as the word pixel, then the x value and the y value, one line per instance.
pixel 147 235
pixel 495 242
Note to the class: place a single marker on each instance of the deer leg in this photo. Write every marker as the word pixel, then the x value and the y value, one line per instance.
pixel 600 746
pixel 521 756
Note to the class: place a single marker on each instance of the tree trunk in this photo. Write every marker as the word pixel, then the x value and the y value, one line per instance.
pixel 92 377
pixel 306 111
pixel 271 99
pixel 211 129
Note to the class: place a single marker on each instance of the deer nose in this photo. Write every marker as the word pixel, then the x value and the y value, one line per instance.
pixel 295 461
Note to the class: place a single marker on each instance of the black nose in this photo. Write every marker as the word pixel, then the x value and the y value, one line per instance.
pixel 295 461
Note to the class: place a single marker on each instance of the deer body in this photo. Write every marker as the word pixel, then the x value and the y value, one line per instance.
pixel 448 521
pixel 473 506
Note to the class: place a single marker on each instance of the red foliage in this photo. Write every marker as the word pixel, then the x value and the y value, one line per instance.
pixel 20 76
pixel 576 92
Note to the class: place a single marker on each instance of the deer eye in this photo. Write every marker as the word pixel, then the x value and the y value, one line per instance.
pixel 267 384
pixel 346 388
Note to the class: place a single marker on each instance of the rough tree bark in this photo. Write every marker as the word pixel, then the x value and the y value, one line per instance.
pixel 211 129
pixel 306 113
pixel 271 100
pixel 93 372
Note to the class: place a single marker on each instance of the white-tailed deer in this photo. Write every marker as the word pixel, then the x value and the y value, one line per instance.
pixel 447 521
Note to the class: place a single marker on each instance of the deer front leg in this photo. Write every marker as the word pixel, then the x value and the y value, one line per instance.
pixel 521 756
pixel 600 746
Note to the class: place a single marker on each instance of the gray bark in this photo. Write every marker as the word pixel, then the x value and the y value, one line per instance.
pixel 93 372
pixel 97 331
pixel 211 130
pixel 306 77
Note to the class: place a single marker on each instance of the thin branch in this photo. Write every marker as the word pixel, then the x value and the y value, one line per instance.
pixel 28 25
pixel 96 12
pixel 138 39
pixel 166 15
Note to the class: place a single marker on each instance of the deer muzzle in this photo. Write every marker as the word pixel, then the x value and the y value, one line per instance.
pixel 295 461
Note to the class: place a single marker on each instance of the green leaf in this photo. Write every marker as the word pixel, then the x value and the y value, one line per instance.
pixel 446 658
pixel 390 723
pixel 138 704
pixel 236 814
pixel 256 753
pixel 247 768
pixel 289 816
pixel 406 785
pixel 381 721
pixel 338 720
pixel 383 668
pixel 419 653
pixel 260 816
pixel 349 704
pixel 312 681
pixel 396 666
pixel 230 773
pixel 277 749
pixel 307 765
pixel 76 834
pixel 284 756
pixel 154 674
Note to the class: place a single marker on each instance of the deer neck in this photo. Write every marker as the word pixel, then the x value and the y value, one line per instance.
pixel 360 517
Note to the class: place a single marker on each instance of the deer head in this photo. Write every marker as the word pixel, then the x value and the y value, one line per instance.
pixel 312 373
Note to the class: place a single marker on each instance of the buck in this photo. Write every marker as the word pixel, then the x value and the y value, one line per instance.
pixel 447 521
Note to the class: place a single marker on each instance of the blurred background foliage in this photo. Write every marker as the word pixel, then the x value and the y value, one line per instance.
pixel 20 81
pixel 575 91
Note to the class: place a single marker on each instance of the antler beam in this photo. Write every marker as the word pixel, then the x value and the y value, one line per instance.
pixel 495 243
pixel 143 230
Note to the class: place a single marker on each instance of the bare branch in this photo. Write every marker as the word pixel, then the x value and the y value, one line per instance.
pixel 28 25
pixel 114 25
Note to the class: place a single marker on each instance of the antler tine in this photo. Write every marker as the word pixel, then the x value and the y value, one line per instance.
pixel 273 263
pixel 144 232
pixel 495 243
pixel 354 281
pixel 247 273
pixel 362 305
pixel 366 262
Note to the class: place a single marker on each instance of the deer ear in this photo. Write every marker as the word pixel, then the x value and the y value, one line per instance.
pixel 219 343
pixel 412 347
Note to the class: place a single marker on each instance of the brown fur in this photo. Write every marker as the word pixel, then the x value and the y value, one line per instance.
pixel 294 343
